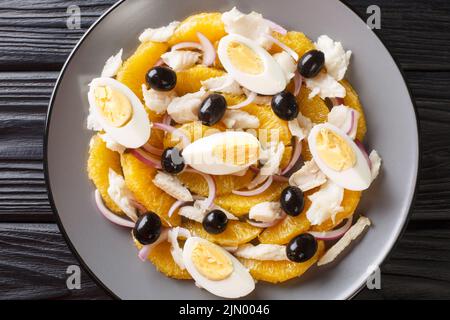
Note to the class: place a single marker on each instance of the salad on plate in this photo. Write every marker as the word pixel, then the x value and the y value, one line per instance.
pixel 232 149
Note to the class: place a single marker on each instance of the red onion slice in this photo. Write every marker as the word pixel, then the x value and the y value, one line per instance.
pixel 146 158
pixel 167 119
pixel 211 186
pixel 298 79
pixel 276 177
pixel 158 63
pixel 184 45
pixel 250 98
pixel 175 206
pixel 295 156
pixel 209 52
pixel 139 206
pixel 256 191
pixel 110 215
pixel 267 224
pixel 363 150
pixel 333 234
pixel 283 46
pixel 262 224
pixel 145 250
pixel 165 127
pixel 337 101
pixel 276 27
pixel 354 122
pixel 153 150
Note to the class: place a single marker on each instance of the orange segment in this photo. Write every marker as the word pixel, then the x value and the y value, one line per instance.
pixel 351 100
pixel 133 71
pixel 240 205
pixel 287 155
pixel 157 136
pixel 316 109
pixel 100 160
pixel 162 259
pixel 280 271
pixel 271 128
pixel 349 203
pixel 297 41
pixel 189 80
pixel 138 178
pixel 208 23
pixel 235 234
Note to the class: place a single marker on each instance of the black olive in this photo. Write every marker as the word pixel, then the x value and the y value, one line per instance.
pixel 285 105
pixel 161 78
pixel 292 201
pixel 301 248
pixel 212 109
pixel 147 228
pixel 311 63
pixel 172 161
pixel 215 222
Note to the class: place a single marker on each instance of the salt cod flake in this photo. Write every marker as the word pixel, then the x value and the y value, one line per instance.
pixel 161 34
pixel 375 159
pixel 223 84
pixel 112 65
pixel 308 177
pixel 157 101
pixel 175 250
pixel 173 186
pixel 185 109
pixel 252 26
pixel 336 59
pixel 344 118
pixel 263 252
pixel 237 119
pixel 351 235
pixel 286 63
pixel 325 86
pixel 121 195
pixel 325 203
pixel 265 212
pixel 112 144
pixel 180 60
pixel 300 127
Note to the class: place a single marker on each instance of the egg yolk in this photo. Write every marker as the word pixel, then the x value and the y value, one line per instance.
pixel 244 59
pixel 113 106
pixel 211 262
pixel 334 150
pixel 235 152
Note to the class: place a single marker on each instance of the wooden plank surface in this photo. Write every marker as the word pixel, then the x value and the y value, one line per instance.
pixel 34 43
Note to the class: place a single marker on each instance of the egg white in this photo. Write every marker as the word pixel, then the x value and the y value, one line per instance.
pixel 137 131
pixel 356 178
pixel 199 154
pixel 240 283
pixel 271 81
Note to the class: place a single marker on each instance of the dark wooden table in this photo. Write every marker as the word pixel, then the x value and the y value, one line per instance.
pixel 34 43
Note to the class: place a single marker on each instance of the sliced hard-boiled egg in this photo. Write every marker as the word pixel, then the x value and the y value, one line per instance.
pixel 119 112
pixel 223 153
pixel 339 158
pixel 216 270
pixel 251 65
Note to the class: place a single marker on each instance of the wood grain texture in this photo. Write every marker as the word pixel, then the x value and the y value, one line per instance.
pixel 34 34
pixel 34 43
